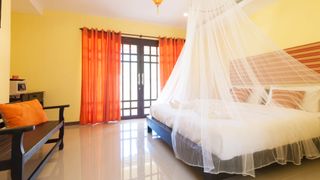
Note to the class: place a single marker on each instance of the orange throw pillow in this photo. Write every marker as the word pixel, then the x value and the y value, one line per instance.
pixel 288 99
pixel 23 114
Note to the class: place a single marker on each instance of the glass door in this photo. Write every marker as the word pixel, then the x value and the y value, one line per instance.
pixel 139 83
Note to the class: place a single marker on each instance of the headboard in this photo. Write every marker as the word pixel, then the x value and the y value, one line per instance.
pixel 308 55
pixel 270 71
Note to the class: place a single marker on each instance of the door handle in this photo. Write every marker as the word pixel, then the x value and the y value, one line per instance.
pixel 142 79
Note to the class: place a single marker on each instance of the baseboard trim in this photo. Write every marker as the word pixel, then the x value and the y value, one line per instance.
pixel 72 123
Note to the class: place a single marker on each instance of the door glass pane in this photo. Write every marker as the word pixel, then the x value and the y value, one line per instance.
pixel 146 58
pixel 146 103
pixel 126 105
pixel 126 48
pixel 158 74
pixel 154 50
pixel 121 82
pixel 147 81
pixel 133 49
pixel 153 58
pixel 134 58
pixel 146 110
pixel 126 81
pixel 134 112
pixel 126 58
pixel 126 113
pixel 134 104
pixel 154 87
pixel 146 50
pixel 134 81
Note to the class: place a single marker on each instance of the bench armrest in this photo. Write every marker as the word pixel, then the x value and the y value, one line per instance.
pixel 56 107
pixel 61 110
pixel 16 130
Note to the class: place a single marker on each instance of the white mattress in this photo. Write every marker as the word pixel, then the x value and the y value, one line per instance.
pixel 260 128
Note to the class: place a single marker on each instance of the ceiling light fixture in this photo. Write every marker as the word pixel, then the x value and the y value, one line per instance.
pixel 185 14
pixel 157 3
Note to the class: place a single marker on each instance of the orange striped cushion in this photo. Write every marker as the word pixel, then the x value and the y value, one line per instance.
pixel 241 94
pixel 288 99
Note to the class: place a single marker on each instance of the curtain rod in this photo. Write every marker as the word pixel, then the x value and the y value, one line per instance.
pixel 136 35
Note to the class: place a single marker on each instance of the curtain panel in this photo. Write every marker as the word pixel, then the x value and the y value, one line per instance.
pixel 170 49
pixel 100 91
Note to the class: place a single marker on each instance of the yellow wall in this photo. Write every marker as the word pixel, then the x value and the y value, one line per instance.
pixel 46 51
pixel 5 51
pixel 290 22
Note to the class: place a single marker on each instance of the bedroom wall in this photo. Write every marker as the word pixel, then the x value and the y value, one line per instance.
pixel 47 48
pixel 47 51
pixel 5 51
pixel 290 22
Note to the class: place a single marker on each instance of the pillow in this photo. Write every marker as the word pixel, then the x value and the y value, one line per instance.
pixel 286 98
pixel 240 94
pixel 311 100
pixel 23 114
pixel 176 104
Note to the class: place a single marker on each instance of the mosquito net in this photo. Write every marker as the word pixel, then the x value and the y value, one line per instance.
pixel 227 116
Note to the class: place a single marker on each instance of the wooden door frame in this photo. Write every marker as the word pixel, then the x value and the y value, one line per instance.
pixel 140 55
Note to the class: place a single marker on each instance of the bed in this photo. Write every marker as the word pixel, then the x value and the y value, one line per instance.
pixel 161 120
pixel 265 131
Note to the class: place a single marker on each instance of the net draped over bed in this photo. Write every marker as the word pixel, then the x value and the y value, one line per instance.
pixel 226 64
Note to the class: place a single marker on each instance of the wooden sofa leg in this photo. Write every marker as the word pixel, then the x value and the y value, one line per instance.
pixel 17 171
pixel 149 130
pixel 61 134
pixel 61 146
pixel 17 157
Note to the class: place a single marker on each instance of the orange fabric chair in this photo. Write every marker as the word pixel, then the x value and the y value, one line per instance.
pixel 170 49
pixel 100 92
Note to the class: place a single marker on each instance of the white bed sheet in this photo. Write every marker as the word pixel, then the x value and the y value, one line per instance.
pixel 255 131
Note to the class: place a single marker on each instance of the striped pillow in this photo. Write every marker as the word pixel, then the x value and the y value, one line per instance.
pixel 286 98
pixel 240 94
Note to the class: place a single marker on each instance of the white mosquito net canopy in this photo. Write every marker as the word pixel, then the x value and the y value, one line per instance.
pixel 218 89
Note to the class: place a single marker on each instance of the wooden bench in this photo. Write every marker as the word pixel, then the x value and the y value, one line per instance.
pixel 18 145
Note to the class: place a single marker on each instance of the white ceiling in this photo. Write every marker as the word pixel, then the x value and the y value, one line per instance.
pixel 170 11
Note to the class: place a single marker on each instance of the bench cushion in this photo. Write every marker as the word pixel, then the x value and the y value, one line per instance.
pixel 31 139
pixel 23 114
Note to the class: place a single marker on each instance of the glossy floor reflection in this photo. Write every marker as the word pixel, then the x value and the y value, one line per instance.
pixel 125 151
pixel 120 151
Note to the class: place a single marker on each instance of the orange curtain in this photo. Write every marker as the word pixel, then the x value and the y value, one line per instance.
pixel 100 91
pixel 170 49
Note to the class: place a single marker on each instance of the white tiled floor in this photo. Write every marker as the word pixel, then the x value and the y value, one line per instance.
pixel 125 151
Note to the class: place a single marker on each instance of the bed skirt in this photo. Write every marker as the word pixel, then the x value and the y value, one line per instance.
pixel 191 153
